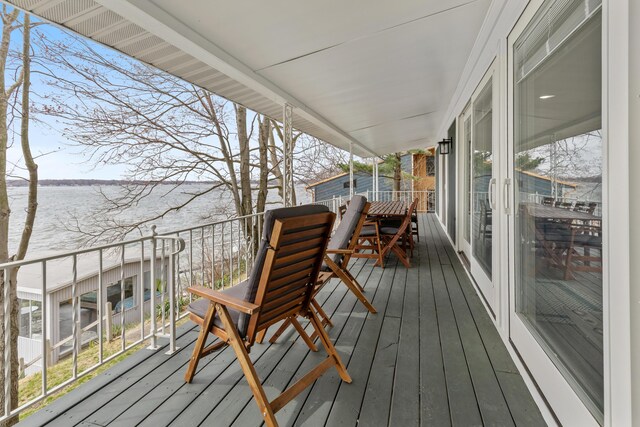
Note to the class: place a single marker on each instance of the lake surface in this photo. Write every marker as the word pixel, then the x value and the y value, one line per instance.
pixel 59 208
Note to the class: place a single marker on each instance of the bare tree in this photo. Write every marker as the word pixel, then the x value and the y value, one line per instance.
pixel 9 25
pixel 167 131
pixel 389 167
pixel 313 158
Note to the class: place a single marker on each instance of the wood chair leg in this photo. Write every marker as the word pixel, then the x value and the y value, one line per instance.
pixel 247 367
pixel 345 279
pixel 260 336
pixel 328 346
pixel 323 315
pixel 303 334
pixel 280 331
pixel 401 255
pixel 200 343
pixel 379 244
pixel 353 280
pixel 314 335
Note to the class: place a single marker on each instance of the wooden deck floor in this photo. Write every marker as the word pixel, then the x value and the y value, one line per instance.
pixel 430 357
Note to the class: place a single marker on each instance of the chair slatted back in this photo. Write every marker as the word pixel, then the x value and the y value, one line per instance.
pixel 346 234
pixel 406 221
pixel 291 268
pixel 356 234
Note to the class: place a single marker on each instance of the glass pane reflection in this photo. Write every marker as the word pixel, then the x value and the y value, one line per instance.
pixel 482 174
pixel 558 172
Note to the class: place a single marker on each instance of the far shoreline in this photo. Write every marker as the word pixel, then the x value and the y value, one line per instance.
pixel 90 182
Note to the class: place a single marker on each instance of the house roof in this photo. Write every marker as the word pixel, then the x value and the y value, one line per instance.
pixel 546 178
pixel 331 178
pixel 60 271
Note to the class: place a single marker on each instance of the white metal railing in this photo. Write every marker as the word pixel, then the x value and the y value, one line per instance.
pixel 426 198
pixel 333 204
pixel 217 255
pixel 538 198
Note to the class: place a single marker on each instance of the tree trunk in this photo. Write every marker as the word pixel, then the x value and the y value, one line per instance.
pixel 263 181
pixel 245 173
pixel 275 162
pixel 397 172
pixel 5 95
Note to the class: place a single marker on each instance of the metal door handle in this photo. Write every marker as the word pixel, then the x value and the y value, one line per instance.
pixel 492 184
pixel 506 193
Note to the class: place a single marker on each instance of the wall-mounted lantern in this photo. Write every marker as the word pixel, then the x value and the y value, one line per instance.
pixel 445 145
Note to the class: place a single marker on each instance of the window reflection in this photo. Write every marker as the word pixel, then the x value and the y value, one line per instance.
pixel 558 170
pixel 482 174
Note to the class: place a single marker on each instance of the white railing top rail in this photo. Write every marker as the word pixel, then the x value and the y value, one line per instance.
pixel 114 245
pixel 210 224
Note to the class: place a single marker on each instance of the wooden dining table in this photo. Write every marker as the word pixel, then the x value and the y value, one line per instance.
pixel 538 211
pixel 389 209
pixel 394 209
pixel 545 223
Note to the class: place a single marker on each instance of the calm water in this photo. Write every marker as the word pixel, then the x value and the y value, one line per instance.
pixel 60 207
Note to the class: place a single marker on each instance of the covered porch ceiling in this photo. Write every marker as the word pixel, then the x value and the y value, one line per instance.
pixel 379 75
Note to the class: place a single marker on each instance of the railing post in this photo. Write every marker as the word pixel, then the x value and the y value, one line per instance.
pixel 47 360
pixel 75 330
pixel 172 299
pixel 7 341
pixel 46 344
pixel 100 307
pixel 108 320
pixel 152 308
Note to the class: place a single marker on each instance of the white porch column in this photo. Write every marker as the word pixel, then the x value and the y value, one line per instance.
pixel 287 173
pixel 350 169
pixel 375 179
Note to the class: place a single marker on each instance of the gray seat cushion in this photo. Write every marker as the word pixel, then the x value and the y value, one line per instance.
pixel 200 306
pixel 344 232
pixel 368 231
pixel 247 290
pixel 389 231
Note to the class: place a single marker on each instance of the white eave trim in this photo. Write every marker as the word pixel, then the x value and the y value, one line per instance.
pixel 156 21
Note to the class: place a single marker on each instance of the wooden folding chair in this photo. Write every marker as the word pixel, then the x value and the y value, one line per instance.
pixel 337 257
pixel 280 287
pixel 368 244
pixel 390 237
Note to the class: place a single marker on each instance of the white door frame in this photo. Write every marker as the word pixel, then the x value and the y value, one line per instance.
pixel 488 286
pixel 462 193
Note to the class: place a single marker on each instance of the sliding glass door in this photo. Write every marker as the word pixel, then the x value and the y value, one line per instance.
pixel 556 234
pixel 479 231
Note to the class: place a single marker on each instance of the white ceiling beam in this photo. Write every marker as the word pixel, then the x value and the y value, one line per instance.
pixel 155 20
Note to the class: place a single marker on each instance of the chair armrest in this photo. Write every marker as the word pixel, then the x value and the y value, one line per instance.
pixel 224 299
pixel 339 251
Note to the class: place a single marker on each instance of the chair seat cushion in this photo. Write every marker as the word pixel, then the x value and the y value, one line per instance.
pixel 389 230
pixel 391 222
pixel 200 306
pixel 368 231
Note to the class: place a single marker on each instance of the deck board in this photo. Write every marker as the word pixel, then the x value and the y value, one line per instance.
pixel 430 356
